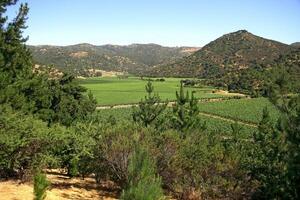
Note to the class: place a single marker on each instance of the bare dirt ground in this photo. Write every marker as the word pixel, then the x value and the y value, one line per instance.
pixel 227 93
pixel 62 188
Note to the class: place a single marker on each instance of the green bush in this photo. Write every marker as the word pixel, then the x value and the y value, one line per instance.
pixel 24 143
pixel 73 170
pixel 199 166
pixel 112 150
pixel 73 146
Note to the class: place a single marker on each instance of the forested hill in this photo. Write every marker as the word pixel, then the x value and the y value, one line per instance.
pixel 135 58
pixel 231 52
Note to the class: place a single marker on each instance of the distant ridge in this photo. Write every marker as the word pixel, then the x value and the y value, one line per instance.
pixel 134 58
pixel 230 53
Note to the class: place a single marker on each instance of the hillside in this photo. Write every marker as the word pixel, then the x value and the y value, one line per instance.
pixel 291 61
pixel 135 58
pixel 296 44
pixel 231 52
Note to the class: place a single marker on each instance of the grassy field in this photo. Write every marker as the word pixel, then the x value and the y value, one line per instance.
pixel 218 126
pixel 248 110
pixel 113 91
pixel 242 110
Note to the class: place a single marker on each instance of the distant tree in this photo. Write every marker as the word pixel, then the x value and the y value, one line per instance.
pixel 150 108
pixel 98 73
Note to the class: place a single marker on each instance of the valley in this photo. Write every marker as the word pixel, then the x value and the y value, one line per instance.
pixel 215 118
pixel 239 61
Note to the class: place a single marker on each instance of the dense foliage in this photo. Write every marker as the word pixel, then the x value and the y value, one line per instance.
pixel 24 143
pixel 26 97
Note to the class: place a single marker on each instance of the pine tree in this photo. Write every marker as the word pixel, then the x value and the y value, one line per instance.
pixel 267 163
pixel 186 112
pixel 150 108
pixel 143 183
pixel 15 58
pixel 40 186
pixel 291 124
pixel 53 100
pixel 289 127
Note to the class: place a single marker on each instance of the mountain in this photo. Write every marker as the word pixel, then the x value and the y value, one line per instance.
pixel 230 53
pixel 135 58
pixel 256 79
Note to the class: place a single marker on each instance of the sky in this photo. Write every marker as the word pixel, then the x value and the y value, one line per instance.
pixel 165 22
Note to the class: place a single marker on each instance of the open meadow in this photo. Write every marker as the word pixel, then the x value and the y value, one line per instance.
pixel 114 91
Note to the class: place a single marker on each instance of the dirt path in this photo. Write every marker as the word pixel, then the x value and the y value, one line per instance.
pixel 228 119
pixel 62 188
pixel 169 104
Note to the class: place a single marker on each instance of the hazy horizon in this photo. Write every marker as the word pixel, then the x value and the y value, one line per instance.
pixel 168 23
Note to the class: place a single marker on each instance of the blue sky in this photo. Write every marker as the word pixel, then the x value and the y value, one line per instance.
pixel 165 22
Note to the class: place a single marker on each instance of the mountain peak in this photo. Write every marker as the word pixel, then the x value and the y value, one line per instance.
pixel 241 31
